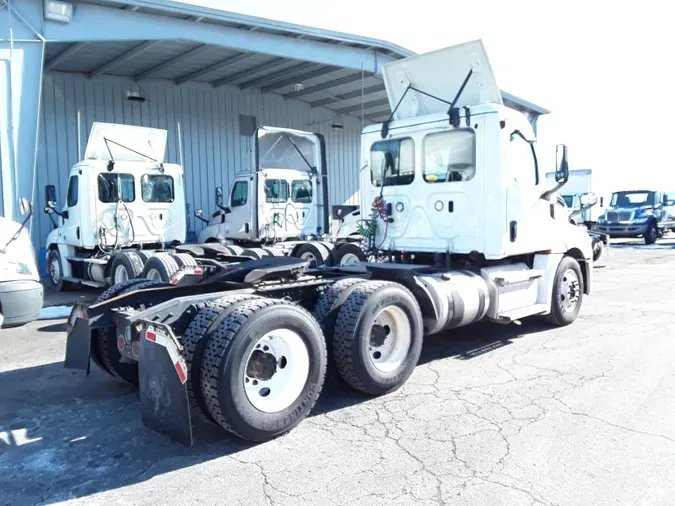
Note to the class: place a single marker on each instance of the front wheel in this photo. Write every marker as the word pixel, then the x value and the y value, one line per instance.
pixel 568 292
pixel 597 250
pixel 652 233
pixel 55 268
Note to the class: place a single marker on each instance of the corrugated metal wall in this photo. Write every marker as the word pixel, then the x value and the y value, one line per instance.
pixel 213 149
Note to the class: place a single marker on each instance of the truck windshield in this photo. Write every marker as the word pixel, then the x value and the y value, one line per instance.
pixel 632 199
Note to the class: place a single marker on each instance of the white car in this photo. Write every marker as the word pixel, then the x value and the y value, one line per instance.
pixel 21 294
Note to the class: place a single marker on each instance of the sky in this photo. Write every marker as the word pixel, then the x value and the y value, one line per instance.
pixel 603 68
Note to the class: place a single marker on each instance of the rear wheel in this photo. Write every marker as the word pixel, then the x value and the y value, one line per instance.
pixel 349 254
pixel 378 337
pixel 105 340
pixel 125 266
pixel 568 293
pixel 194 340
pixel 160 267
pixel 316 253
pixel 263 369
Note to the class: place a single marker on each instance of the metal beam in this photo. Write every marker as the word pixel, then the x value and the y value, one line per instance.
pixel 100 23
pixel 173 61
pixel 366 106
pixel 266 67
pixel 124 57
pixel 321 71
pixel 64 55
pixel 325 86
pixel 270 78
pixel 348 96
pixel 213 68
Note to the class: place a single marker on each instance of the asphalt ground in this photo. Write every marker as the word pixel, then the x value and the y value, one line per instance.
pixel 492 415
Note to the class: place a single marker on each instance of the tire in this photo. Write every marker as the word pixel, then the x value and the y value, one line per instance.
pixel 55 268
pixel 316 253
pixel 254 253
pixel 347 252
pixel 144 255
pixel 126 265
pixel 329 303
pixel 372 369
pixel 652 233
pixel 226 360
pixel 559 316
pixel 234 250
pixel 194 340
pixel 105 340
pixel 160 267
pixel 598 248
pixel 274 252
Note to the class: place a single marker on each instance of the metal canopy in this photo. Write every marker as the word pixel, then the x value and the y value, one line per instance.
pixel 183 43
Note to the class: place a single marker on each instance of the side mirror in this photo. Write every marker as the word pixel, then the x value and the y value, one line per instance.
pixel 24 206
pixel 50 197
pixel 198 215
pixel 588 199
pixel 665 199
pixel 219 196
pixel 562 171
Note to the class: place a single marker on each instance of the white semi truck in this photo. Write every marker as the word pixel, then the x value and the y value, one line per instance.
pixel 469 230
pixel 279 205
pixel 123 203
pixel 581 183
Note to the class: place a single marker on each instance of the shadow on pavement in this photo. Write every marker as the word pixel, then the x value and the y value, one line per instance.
pixel 64 435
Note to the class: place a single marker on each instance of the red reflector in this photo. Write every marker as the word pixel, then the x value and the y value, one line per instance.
pixel 136 349
pixel 151 336
pixel 121 343
pixel 182 374
pixel 199 271
pixel 85 316
pixel 174 281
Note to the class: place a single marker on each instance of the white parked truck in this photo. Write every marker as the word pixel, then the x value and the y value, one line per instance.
pixel 280 205
pixel 122 204
pixel 21 296
pixel 469 230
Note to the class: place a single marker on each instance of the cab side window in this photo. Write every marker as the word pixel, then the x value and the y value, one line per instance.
pixel 73 191
pixel 239 194
pixel 521 161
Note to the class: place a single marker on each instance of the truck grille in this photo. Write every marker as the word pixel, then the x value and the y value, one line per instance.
pixel 622 216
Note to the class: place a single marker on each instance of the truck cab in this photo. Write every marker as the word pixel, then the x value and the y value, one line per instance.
pixel 635 213
pixel 465 179
pixel 283 197
pixel 120 196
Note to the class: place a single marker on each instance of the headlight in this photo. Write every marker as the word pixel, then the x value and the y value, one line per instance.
pixel 647 212
pixel 641 219
pixel 602 219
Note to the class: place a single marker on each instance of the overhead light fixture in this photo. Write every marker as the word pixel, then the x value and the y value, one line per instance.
pixel 134 96
pixel 299 86
pixel 56 10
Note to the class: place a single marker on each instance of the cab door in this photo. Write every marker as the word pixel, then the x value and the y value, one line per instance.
pixel 238 220
pixel 72 212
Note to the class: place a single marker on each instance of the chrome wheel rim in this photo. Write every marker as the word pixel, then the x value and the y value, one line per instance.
pixel 55 271
pixel 349 259
pixel 570 291
pixel 313 261
pixel 277 370
pixel 154 275
pixel 390 339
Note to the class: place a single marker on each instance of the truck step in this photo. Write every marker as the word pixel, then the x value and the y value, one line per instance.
pixel 523 312
pixel 85 282
pixel 502 278
pixel 98 261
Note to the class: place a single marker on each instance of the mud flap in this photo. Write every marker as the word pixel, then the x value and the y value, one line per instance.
pixel 165 407
pixel 78 340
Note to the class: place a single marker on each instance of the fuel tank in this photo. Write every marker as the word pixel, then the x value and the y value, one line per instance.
pixel 460 298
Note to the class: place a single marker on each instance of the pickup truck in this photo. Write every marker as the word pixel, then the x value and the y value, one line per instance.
pixel 636 213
